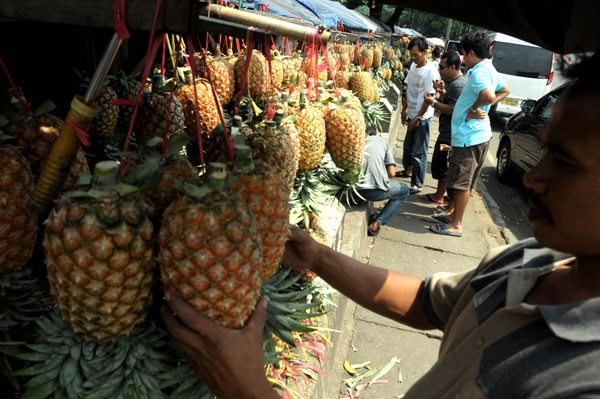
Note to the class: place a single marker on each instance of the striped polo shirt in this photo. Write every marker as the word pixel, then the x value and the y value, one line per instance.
pixel 497 347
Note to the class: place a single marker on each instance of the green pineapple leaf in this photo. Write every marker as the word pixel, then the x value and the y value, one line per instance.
pixel 46 107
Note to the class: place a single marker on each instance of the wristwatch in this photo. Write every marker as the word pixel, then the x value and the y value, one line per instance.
pixel 433 103
pixel 473 110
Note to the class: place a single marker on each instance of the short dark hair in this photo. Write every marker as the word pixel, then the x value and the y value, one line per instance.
pixel 452 59
pixel 436 52
pixel 452 47
pixel 478 41
pixel 419 42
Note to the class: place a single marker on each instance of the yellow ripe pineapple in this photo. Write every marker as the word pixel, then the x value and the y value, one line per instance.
pixel 346 132
pixel 99 257
pixel 207 107
pixel 318 234
pixel 257 78
pixel 210 251
pixel 277 68
pixel 289 69
pixel 288 127
pixel 311 130
pixel 375 91
pixel 222 74
pixel 260 186
pixel 362 86
pixel 152 112
pixel 275 148
pixel 18 226
pixel 377 57
pixel 344 61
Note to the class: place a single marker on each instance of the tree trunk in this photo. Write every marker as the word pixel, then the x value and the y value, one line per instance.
pixel 410 20
pixel 423 24
pixel 448 30
pixel 375 9
pixel 395 18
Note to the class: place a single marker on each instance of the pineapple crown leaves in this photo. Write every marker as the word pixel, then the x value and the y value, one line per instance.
pixel 106 184
pixel 184 382
pixel 216 180
pixel 67 366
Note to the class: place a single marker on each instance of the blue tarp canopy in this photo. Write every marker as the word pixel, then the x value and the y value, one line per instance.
pixel 288 8
pixel 321 12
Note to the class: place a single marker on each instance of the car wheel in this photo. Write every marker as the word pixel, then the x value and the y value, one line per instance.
pixel 504 171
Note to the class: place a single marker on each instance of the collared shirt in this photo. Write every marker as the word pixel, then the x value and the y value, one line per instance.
pixel 497 346
pixel 419 82
pixel 475 131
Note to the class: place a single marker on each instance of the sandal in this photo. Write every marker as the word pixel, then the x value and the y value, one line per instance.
pixel 442 218
pixel 402 173
pixel 370 231
pixel 443 230
pixel 427 198
pixel 415 189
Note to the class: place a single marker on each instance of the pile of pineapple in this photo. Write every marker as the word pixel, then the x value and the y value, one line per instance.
pixel 212 233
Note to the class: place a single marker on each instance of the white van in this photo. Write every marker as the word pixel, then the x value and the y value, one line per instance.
pixel 527 69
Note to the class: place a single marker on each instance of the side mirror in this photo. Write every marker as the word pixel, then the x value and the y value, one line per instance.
pixel 528 106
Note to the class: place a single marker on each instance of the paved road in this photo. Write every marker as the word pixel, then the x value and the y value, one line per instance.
pixel 512 200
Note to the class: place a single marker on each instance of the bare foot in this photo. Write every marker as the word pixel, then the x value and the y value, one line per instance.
pixel 375 226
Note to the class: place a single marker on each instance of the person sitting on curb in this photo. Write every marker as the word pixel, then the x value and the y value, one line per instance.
pixel 471 128
pixel 523 324
pixel 449 70
pixel 379 166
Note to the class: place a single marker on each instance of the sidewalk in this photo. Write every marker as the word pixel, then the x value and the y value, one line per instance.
pixel 405 245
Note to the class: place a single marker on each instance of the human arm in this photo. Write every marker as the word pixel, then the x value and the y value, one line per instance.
pixel 390 294
pixel 391 170
pixel 404 108
pixel 501 94
pixel 230 362
pixel 443 108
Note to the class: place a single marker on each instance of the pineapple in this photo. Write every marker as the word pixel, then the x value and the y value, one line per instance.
pixel 35 138
pixel 362 86
pixel 275 148
pixel 221 74
pixel 171 167
pixel 207 107
pixel 98 247
pixel 287 126
pixel 367 54
pixel 105 123
pixel 390 54
pixel 374 91
pixel 257 79
pixel 128 90
pixel 277 68
pixel 210 251
pixel 311 130
pixel 318 234
pixel 152 113
pixel 345 61
pixel 261 187
pixel 18 226
pixel 377 57
pixel 357 56
pixel 289 69
pixel 346 132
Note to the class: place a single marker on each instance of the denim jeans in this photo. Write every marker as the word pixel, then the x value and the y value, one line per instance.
pixel 414 154
pixel 396 196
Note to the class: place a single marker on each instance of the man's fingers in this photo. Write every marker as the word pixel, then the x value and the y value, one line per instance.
pixel 257 321
pixel 190 316
pixel 178 330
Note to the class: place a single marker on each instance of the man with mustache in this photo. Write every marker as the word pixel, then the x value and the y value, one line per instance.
pixel 524 324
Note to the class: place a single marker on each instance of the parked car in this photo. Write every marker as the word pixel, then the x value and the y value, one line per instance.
pixel 526 68
pixel 520 148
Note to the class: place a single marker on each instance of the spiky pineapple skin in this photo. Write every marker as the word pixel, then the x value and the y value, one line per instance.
pixel 275 149
pixel 130 92
pixel 346 132
pixel 207 108
pixel 17 224
pixel 311 131
pixel 176 167
pixel 377 57
pixel 152 116
pixel 105 123
pixel 210 255
pixel 258 77
pixel 222 76
pixel 266 194
pixel 100 263
pixel 362 86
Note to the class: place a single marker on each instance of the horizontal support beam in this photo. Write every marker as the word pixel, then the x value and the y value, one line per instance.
pixel 232 29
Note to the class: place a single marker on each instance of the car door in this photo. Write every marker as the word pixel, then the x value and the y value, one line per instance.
pixel 529 146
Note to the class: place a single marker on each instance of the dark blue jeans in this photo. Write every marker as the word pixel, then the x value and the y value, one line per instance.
pixel 396 195
pixel 414 153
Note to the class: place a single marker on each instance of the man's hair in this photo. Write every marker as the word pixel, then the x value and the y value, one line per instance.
pixel 452 59
pixel 452 47
pixel 477 41
pixel 436 52
pixel 419 42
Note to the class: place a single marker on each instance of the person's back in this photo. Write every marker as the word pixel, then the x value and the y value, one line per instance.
pixel 377 155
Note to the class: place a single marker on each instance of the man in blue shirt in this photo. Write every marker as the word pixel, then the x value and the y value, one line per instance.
pixel 471 129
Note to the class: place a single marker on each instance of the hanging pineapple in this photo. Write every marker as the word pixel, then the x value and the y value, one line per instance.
pixel 222 74
pixel 152 113
pixel 98 245
pixel 346 131
pixel 257 79
pixel 210 251
pixel 311 130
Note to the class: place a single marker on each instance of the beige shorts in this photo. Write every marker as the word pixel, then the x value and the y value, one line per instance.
pixel 465 166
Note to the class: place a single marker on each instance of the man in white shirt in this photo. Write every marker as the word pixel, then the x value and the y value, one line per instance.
pixel 435 57
pixel 417 114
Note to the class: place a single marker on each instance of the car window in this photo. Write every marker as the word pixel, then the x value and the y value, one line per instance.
pixel 546 111
pixel 519 60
